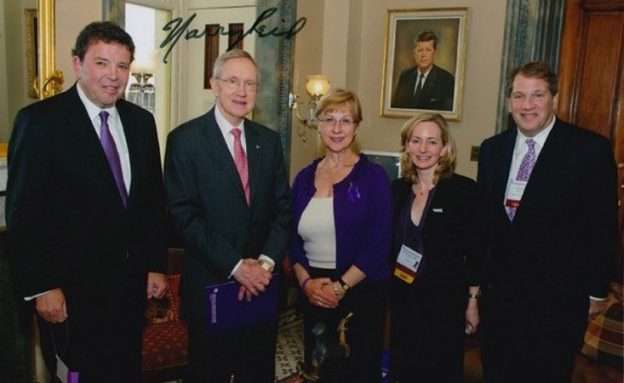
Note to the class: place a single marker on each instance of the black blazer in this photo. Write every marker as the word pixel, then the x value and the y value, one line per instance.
pixel 451 255
pixel 207 202
pixel 558 249
pixel 436 94
pixel 66 223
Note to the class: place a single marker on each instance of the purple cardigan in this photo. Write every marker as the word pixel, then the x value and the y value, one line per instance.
pixel 362 217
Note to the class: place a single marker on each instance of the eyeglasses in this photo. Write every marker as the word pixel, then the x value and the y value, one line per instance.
pixel 235 83
pixel 345 121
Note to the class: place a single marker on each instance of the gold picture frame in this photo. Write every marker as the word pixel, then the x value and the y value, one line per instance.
pixel 43 80
pixel 442 89
pixel 30 33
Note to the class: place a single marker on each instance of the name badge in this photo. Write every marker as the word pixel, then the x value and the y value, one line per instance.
pixel 514 193
pixel 407 264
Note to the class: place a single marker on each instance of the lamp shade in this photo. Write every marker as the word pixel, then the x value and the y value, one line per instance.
pixel 317 85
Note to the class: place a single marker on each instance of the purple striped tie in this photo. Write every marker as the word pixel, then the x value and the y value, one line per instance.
pixel 112 155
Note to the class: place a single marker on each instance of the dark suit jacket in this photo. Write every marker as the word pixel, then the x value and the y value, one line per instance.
pixel 450 237
pixel 558 249
pixel 436 94
pixel 428 316
pixel 208 206
pixel 67 226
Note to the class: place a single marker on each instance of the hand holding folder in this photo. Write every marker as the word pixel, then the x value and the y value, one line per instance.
pixel 227 312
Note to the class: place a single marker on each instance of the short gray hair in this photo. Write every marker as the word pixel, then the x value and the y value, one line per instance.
pixel 235 53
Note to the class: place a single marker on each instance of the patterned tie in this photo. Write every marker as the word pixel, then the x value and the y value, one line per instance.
pixel 240 160
pixel 528 161
pixel 524 171
pixel 112 155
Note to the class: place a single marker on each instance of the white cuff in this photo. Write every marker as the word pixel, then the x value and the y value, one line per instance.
pixel 597 299
pixel 235 268
pixel 30 298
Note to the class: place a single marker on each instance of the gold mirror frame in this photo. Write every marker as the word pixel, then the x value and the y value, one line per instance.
pixel 50 81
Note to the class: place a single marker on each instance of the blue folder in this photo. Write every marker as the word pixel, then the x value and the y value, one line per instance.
pixel 226 312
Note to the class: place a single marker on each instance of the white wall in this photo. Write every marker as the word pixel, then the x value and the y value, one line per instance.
pixel 351 53
pixel 71 18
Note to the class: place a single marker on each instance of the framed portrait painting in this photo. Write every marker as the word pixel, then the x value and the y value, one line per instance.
pixel 424 60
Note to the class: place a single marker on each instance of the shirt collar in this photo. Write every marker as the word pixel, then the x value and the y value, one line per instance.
pixel 426 73
pixel 225 125
pixel 93 110
pixel 539 138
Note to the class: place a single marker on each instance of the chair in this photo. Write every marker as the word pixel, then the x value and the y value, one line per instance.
pixel 165 338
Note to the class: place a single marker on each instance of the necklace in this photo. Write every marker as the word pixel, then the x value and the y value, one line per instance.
pixel 423 190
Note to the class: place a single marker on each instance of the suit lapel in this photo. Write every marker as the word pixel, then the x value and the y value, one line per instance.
pixel 503 165
pixel 218 150
pixel 253 158
pixel 546 167
pixel 127 122
pixel 87 144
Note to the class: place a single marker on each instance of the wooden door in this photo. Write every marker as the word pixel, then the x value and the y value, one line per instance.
pixel 591 77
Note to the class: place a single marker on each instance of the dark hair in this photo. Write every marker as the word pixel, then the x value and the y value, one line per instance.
pixel 535 69
pixel 105 31
pixel 427 36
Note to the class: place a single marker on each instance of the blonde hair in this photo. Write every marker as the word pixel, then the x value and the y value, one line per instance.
pixel 338 98
pixel 446 165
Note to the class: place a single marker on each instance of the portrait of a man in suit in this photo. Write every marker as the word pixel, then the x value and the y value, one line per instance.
pixel 86 212
pixel 228 195
pixel 425 55
pixel 550 218
pixel 425 85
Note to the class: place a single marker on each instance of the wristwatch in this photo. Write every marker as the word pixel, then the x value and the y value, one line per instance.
pixel 474 295
pixel 344 285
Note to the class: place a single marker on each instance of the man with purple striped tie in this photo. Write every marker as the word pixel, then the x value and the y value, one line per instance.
pixel 550 214
pixel 86 212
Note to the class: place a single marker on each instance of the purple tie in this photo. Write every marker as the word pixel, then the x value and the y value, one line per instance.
pixel 112 155
pixel 528 161
pixel 524 171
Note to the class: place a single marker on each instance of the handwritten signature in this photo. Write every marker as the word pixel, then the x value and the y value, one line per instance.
pixel 179 27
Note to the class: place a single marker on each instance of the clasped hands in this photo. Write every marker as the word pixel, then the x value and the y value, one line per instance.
pixel 322 292
pixel 253 278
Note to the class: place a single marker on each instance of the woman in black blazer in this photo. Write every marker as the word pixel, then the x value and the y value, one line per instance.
pixel 434 257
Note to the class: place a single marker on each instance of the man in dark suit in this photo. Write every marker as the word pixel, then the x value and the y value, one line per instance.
pixel 228 195
pixel 85 211
pixel 426 85
pixel 550 213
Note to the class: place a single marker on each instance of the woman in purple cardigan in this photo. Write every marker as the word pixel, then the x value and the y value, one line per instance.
pixel 341 241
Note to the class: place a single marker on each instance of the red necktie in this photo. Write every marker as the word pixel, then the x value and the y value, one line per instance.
pixel 240 160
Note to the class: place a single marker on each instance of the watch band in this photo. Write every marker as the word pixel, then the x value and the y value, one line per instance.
pixel 345 286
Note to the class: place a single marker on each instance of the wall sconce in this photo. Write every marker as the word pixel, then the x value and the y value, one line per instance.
pixel 142 90
pixel 317 86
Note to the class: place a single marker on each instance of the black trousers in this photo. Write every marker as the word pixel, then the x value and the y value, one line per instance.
pixel 365 329
pixel 103 335
pixel 427 342
pixel 520 344
pixel 247 355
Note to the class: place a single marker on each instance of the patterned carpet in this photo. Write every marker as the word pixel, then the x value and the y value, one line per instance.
pixel 289 352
